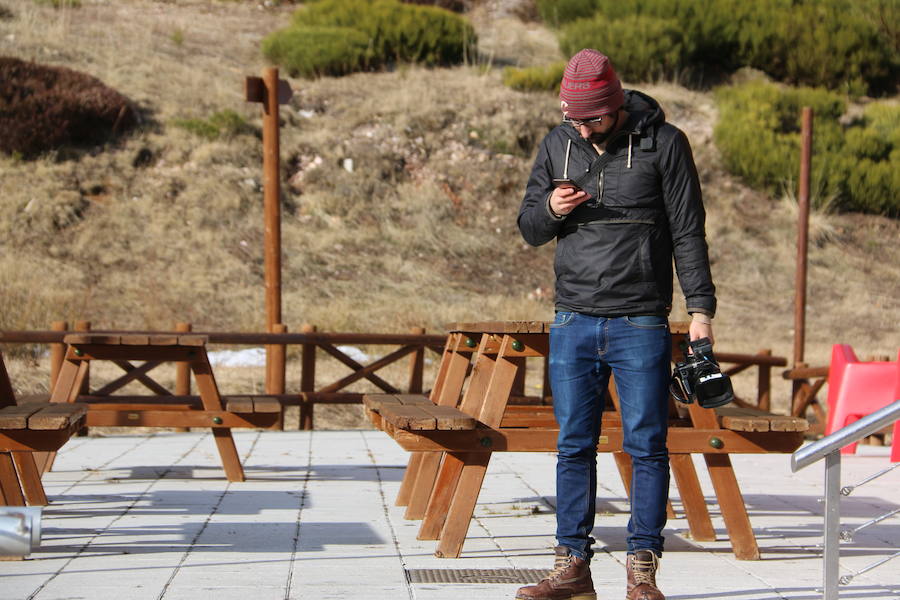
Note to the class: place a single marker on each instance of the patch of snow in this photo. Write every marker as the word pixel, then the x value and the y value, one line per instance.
pixel 249 357
pixel 354 353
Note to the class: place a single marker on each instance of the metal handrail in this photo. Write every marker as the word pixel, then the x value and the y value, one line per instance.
pixel 829 448
pixel 854 432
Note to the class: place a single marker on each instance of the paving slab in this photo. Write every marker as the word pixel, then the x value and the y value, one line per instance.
pixel 152 516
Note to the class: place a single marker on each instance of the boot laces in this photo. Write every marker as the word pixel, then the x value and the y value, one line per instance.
pixel 645 570
pixel 560 564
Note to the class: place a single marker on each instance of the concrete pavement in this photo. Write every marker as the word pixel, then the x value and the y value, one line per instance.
pixel 152 516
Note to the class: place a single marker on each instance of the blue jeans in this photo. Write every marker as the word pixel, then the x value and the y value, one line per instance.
pixel 584 350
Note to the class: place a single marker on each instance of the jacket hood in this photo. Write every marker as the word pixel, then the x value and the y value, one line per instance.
pixel 643 111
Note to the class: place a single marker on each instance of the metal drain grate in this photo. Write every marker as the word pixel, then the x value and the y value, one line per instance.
pixel 523 576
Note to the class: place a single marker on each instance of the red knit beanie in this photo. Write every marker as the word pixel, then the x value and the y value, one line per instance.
pixel 590 87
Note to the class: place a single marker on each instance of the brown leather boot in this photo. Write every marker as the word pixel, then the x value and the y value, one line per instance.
pixel 641 567
pixel 569 580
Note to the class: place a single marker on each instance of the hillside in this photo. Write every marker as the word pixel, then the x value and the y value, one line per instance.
pixel 167 226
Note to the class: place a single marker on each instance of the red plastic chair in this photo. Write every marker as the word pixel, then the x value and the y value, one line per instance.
pixel 856 389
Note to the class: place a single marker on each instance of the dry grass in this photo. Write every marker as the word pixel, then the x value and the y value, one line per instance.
pixel 165 226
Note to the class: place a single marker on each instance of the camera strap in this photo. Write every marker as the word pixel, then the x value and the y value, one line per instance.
pixel 593 172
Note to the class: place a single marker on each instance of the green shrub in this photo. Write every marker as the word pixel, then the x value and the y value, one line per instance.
pixel 641 47
pixel 60 3
pixel 758 134
pixel 533 79
pixel 225 123
pixel 558 12
pixel 340 36
pixel 839 44
pixel 316 51
pixel 43 108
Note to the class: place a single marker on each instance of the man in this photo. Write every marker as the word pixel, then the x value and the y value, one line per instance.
pixel 626 201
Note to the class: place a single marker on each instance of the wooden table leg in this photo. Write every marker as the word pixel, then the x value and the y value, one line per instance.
pixel 9 481
pixel 623 464
pixel 459 516
pixel 692 498
pixel 409 479
pixel 441 495
pixel 731 502
pixel 209 395
pixel 30 478
pixel 423 485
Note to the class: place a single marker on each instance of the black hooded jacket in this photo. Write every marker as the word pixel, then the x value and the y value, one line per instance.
pixel 614 258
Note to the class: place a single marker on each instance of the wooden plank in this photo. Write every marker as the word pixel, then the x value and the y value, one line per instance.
pixel 238 404
pixel 163 340
pixel 423 484
pixel 413 399
pixel 192 340
pixel 135 339
pixel 750 419
pixel 731 503
pixel 16 417
pixel 681 440
pixel 100 417
pixel 266 405
pixel 745 423
pixel 406 486
pixel 27 440
pixel 441 495
pixel 57 416
pixel 787 423
pixel 462 506
pixel 449 418
pixel 144 353
pixel 376 401
pixel 228 453
pixel 408 417
pixel 9 481
pixel 29 478
pixel 105 339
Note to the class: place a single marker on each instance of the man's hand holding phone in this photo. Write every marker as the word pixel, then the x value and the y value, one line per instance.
pixel 566 197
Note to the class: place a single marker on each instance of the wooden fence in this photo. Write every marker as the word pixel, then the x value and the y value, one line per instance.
pixel 316 346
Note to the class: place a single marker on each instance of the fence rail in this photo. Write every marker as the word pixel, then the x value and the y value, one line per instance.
pixel 316 346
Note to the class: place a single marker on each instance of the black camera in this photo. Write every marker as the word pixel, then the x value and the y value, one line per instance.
pixel 700 378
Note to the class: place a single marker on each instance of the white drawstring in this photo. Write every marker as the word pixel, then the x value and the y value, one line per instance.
pixel 629 151
pixel 566 168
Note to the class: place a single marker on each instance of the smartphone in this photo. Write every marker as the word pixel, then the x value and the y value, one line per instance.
pixel 565 183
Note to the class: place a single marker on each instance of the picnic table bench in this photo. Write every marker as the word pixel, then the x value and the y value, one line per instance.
pixel 452 434
pixel 163 409
pixel 25 429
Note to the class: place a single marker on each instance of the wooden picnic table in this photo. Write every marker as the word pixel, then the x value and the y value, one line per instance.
pixel 163 409
pixel 453 433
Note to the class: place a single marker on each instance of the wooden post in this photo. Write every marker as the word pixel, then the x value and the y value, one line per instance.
pixel 57 352
pixel 270 91
pixel 272 197
pixel 307 378
pixel 183 373
pixel 802 244
pixel 278 353
pixel 416 365
pixel 764 384
pixel 86 383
